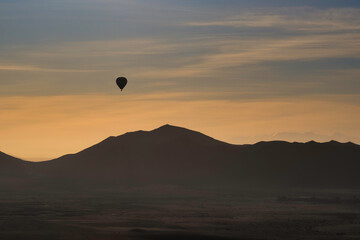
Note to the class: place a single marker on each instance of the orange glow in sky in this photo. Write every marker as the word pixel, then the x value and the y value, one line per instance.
pixel 40 128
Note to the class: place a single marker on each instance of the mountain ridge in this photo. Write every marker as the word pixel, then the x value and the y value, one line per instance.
pixel 2 154
pixel 171 154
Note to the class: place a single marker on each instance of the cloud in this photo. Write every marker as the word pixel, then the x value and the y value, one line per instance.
pixel 242 52
pixel 294 19
pixel 180 58
pixel 38 69
pixel 221 53
pixel 197 63
pixel 181 55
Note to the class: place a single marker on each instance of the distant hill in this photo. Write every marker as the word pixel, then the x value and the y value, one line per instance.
pixel 175 155
pixel 298 137
pixel 13 171
pixel 10 166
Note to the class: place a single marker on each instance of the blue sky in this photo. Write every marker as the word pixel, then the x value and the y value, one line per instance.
pixel 231 52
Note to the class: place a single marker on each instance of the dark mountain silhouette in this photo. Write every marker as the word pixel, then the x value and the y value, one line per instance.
pixel 167 154
pixel 174 155
pixel 11 166
pixel 13 171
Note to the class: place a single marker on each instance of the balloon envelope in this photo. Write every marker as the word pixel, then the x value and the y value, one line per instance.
pixel 121 82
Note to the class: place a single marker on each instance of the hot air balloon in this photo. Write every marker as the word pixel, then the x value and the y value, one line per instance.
pixel 121 82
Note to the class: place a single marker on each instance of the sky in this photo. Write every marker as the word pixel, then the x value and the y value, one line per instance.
pixel 239 71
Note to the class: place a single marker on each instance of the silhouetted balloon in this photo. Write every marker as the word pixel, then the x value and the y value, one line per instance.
pixel 121 82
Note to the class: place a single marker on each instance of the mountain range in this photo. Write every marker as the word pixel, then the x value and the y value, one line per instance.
pixel 175 155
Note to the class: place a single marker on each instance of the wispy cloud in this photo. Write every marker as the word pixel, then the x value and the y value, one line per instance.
pixel 39 69
pixel 307 34
pixel 241 52
pixel 295 19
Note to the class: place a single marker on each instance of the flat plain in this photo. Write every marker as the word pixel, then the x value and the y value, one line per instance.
pixel 173 212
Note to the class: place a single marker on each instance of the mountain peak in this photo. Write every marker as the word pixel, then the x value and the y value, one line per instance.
pixel 167 128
